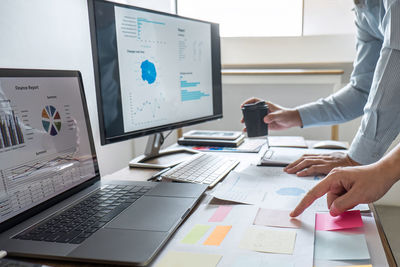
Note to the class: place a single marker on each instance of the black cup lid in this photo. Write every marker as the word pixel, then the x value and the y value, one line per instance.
pixel 257 105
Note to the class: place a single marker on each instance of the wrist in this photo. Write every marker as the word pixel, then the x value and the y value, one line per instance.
pixel 387 170
pixel 296 118
pixel 352 162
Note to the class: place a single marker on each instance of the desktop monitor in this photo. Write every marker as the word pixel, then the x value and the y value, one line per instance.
pixel 154 72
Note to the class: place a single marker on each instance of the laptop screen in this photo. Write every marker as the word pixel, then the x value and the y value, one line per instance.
pixel 45 144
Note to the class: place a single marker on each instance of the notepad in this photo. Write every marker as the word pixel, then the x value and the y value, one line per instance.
pixel 349 219
pixel 333 245
pixel 220 214
pixel 197 232
pixel 276 218
pixel 267 240
pixel 184 259
pixel 218 235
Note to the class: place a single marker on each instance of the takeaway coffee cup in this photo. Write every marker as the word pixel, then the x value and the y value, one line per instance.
pixel 253 115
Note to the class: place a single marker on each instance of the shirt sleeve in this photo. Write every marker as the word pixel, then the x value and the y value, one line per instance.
pixel 381 121
pixel 348 103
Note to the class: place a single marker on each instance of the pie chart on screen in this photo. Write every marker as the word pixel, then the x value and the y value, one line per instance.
pixel 51 120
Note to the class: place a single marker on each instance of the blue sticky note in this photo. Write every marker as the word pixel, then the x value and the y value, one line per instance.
pixel 331 245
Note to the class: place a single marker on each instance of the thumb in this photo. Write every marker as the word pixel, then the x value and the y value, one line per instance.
pixel 342 204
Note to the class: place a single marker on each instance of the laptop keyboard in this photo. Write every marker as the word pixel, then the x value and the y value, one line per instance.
pixel 80 221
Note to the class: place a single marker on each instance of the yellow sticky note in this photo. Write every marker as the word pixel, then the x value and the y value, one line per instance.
pixel 184 259
pixel 218 235
pixel 267 240
pixel 369 265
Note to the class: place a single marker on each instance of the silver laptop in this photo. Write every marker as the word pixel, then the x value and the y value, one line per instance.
pixel 52 202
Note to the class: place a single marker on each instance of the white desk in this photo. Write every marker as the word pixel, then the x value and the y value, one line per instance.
pixel 377 243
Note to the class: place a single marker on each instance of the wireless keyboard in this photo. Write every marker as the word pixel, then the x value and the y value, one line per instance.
pixel 202 169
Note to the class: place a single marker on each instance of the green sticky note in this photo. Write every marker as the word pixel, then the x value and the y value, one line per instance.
pixel 195 234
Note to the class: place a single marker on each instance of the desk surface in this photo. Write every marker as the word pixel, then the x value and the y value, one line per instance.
pixel 134 174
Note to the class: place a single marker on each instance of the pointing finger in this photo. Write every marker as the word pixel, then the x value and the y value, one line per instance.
pixel 316 192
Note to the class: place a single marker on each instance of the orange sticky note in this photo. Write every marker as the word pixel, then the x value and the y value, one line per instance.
pixel 218 235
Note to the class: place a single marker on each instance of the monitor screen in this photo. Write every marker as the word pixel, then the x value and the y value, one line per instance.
pixel 154 71
pixel 46 146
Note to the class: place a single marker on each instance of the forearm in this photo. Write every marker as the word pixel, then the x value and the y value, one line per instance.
pixel 342 106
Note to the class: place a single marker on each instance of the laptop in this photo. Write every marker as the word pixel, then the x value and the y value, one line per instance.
pixel 52 202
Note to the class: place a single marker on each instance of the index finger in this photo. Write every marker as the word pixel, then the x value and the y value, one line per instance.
pixel 316 192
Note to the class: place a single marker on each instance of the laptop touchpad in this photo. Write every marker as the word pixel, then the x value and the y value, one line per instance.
pixel 152 214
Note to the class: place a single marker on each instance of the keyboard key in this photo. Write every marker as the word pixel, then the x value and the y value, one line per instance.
pixel 202 168
pixel 77 223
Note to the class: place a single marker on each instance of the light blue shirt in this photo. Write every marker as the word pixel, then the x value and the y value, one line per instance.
pixel 374 88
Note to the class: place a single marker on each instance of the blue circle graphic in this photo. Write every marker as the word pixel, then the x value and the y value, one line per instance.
pixel 149 73
pixel 290 191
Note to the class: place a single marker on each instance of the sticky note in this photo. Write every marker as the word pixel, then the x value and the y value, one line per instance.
pixel 220 214
pixel 195 234
pixel 368 265
pixel 267 240
pixel 184 259
pixel 276 218
pixel 259 261
pixel 218 235
pixel 349 219
pixel 330 245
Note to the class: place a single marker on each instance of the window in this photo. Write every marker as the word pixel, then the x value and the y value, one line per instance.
pixel 248 18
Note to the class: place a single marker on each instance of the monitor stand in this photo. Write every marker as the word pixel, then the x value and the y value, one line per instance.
pixel 155 158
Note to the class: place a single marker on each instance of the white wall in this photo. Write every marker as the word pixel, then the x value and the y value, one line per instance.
pixel 288 50
pixel 328 17
pixel 52 34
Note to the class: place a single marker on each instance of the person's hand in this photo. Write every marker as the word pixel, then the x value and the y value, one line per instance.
pixel 314 164
pixel 347 187
pixel 278 118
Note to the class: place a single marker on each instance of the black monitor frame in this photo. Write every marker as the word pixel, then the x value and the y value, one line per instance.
pixel 216 79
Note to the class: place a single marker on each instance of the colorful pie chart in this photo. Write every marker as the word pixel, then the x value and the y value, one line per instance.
pixel 51 120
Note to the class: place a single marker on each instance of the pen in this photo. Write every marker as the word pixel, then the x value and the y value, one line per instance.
pixel 154 176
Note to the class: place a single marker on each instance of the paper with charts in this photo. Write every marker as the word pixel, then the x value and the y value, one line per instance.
pixel 278 190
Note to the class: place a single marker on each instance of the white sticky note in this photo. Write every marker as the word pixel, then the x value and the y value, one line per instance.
pixel 184 259
pixel 266 240
pixel 331 245
pixel 276 218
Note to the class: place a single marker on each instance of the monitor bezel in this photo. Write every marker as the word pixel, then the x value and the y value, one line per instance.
pixel 216 78
pixel 46 73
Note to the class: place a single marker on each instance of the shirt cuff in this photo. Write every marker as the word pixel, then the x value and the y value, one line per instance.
pixel 307 114
pixel 366 151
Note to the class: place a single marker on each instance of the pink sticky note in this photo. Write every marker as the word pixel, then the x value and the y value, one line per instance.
pixel 349 219
pixel 220 214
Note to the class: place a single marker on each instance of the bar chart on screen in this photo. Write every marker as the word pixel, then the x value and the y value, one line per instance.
pixel 15 129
